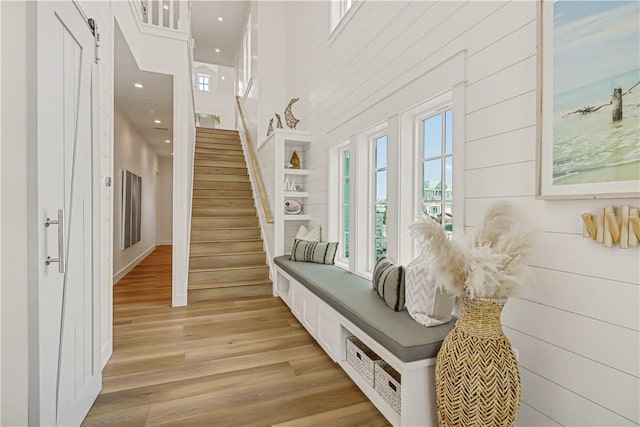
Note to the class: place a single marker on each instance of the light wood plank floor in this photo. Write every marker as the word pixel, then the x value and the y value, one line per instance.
pixel 233 357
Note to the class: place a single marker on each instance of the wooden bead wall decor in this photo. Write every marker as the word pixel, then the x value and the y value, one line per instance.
pixel 270 129
pixel 279 123
pixel 608 227
pixel 291 120
pixel 295 161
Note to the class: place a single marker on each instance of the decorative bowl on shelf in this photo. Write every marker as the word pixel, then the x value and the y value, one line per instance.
pixel 292 207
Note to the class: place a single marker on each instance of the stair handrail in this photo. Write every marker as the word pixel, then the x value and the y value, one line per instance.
pixel 266 208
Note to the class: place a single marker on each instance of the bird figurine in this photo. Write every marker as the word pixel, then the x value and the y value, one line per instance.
pixel 292 121
pixel 270 130
pixel 279 125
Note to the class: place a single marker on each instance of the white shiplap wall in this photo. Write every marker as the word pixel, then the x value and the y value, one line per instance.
pixel 577 326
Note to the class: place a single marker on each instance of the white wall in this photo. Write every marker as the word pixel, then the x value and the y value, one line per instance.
pixel 14 295
pixel 133 153
pixel 151 49
pixel 267 94
pixel 165 201
pixel 221 96
pixel 577 326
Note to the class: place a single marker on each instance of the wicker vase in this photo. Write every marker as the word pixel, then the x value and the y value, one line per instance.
pixel 477 378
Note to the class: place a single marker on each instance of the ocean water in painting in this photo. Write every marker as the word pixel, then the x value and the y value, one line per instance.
pixel 596 49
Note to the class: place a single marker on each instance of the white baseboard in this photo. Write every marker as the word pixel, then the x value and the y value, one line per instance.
pixel 120 274
pixel 165 242
pixel 179 300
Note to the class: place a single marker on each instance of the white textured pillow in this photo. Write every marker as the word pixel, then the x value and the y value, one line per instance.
pixel 309 235
pixel 427 304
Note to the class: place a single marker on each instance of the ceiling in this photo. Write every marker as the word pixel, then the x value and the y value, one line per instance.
pixel 211 34
pixel 142 106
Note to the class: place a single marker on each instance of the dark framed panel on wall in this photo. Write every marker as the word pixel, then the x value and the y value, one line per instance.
pixel 588 99
pixel 131 223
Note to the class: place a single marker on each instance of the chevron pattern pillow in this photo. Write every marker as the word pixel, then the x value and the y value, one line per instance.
pixel 318 252
pixel 388 282
pixel 427 304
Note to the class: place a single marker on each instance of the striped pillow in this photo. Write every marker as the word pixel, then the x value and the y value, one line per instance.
pixel 388 282
pixel 318 252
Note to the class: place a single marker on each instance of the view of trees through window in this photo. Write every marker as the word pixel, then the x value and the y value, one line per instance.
pixel 380 194
pixel 437 168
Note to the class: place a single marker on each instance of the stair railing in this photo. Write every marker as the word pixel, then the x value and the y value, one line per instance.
pixel 172 15
pixel 254 169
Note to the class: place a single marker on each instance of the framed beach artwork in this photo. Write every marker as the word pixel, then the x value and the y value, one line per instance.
pixel 588 99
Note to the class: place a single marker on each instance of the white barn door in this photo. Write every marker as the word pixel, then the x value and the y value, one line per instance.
pixel 69 368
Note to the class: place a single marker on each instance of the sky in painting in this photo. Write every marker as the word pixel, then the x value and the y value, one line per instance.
pixel 594 40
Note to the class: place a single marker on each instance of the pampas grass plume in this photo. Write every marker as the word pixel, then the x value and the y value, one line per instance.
pixel 492 263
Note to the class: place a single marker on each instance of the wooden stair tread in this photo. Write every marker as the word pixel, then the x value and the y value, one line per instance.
pixel 232 284
pixel 212 270
pixel 231 254
pixel 223 205
pixel 226 241
pixel 223 197
pixel 225 228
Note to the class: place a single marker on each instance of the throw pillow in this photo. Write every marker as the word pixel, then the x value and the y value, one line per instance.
pixel 427 304
pixel 388 282
pixel 312 235
pixel 318 252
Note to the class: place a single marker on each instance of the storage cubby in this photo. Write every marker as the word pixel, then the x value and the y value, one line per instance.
pixel 285 142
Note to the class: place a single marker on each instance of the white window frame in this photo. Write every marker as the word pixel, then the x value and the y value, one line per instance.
pixel 342 258
pixel 245 69
pixel 362 250
pixel 373 202
pixel 206 82
pixel 439 111
pixel 338 9
pixel 340 15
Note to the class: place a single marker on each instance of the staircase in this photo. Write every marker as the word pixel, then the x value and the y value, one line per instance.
pixel 226 247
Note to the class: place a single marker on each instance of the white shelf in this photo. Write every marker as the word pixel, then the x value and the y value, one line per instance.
pixel 289 217
pixel 296 194
pixel 295 137
pixel 296 171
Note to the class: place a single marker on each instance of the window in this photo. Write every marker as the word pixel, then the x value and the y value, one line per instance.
pixel 345 198
pixel 339 9
pixel 245 77
pixel 436 133
pixel 203 82
pixel 380 198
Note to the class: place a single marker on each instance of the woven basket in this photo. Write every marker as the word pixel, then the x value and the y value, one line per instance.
pixel 477 378
pixel 387 384
pixel 362 358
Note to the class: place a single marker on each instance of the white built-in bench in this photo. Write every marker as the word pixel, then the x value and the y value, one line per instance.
pixel 334 304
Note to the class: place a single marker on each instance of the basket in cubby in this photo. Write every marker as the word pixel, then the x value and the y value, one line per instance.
pixel 362 359
pixel 387 382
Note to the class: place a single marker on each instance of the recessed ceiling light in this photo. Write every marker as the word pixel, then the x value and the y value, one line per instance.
pixel 167 141
pixel 220 18
pixel 222 77
pixel 217 50
pixel 138 85
pixel 157 121
pixel 165 7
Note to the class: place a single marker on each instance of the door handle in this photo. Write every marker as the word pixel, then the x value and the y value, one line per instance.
pixel 60 223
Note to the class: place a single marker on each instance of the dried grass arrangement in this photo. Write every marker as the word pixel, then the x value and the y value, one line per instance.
pixel 492 263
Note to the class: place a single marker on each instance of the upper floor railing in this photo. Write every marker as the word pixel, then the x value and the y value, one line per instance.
pixel 168 14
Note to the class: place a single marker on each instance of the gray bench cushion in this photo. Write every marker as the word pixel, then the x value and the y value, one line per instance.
pixel 353 297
